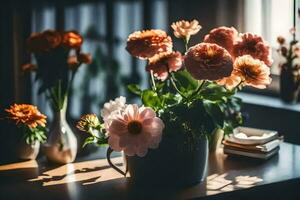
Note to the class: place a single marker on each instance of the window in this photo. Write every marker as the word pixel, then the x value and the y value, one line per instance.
pixel 270 19
pixel 99 82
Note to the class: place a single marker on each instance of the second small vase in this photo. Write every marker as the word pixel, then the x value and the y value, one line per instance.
pixel 61 146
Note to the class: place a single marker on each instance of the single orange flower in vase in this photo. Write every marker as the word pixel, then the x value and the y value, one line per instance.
pixel 33 124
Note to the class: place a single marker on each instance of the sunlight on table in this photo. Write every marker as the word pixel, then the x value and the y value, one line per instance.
pixel 88 172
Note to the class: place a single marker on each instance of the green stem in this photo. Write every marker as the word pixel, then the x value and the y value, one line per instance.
pixel 176 88
pixel 199 88
pixel 186 41
pixel 238 86
pixel 59 95
pixel 153 81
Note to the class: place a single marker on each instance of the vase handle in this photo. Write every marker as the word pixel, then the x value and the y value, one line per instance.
pixel 108 154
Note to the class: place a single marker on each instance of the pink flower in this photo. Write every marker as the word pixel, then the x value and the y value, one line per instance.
pixel 223 36
pixel 163 63
pixel 253 45
pixel 208 61
pixel 135 130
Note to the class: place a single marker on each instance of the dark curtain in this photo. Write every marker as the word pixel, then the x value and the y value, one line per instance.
pixel 15 23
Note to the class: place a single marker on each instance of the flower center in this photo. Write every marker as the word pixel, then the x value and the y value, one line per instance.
pixel 134 127
pixel 249 73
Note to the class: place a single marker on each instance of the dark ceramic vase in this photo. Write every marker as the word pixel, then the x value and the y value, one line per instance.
pixel 289 87
pixel 172 164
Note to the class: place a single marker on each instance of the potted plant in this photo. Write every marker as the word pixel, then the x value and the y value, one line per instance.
pixel 165 139
pixel 58 56
pixel 32 124
pixel 289 69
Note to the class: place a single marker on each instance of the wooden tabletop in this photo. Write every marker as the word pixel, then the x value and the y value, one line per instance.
pixel 91 178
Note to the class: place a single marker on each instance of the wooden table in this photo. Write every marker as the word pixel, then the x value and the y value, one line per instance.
pixel 92 178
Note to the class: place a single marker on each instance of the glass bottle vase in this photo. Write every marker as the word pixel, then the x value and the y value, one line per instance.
pixel 61 146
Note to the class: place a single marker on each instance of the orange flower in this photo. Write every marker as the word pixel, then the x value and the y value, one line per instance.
pixel 255 46
pixel 73 62
pixel 29 67
pixel 208 61
pixel 72 39
pixel 85 58
pixel 230 82
pixel 223 36
pixel 163 63
pixel 145 44
pixel 184 29
pixel 26 114
pixel 39 42
pixel 253 72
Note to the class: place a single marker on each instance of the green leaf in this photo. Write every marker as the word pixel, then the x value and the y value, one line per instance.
pixel 214 110
pixel 151 99
pixel 135 89
pixel 214 92
pixel 170 99
pixel 186 81
pixel 89 140
pixel 160 86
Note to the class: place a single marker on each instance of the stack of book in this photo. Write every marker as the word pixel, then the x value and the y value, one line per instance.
pixel 250 142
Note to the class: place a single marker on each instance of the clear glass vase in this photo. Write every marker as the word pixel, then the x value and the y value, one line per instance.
pixel 61 146
pixel 28 151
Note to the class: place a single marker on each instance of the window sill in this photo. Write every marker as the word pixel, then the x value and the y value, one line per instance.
pixel 267 101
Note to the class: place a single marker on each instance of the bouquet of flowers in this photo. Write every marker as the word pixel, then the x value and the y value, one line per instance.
pixel 191 91
pixel 191 95
pixel 30 119
pixel 58 56
pixel 33 126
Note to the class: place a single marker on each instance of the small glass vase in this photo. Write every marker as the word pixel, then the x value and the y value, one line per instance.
pixel 28 151
pixel 61 146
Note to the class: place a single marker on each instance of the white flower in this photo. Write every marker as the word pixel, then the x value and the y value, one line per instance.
pixel 113 108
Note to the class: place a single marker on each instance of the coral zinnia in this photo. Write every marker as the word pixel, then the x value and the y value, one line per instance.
pixel 145 44
pixel 223 36
pixel 163 63
pixel 230 82
pixel 184 29
pixel 72 39
pixel 39 42
pixel 135 130
pixel 253 72
pixel 208 61
pixel 26 114
pixel 254 45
